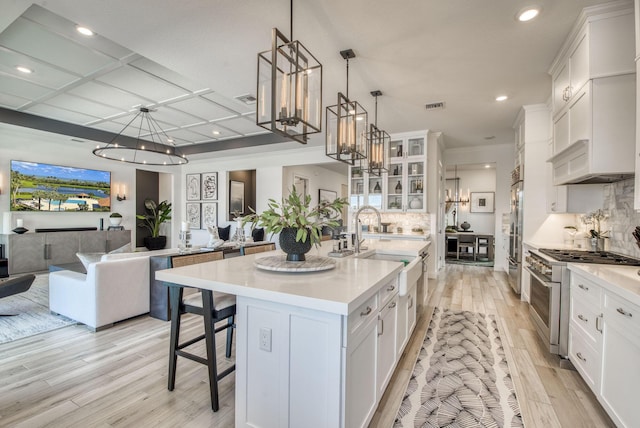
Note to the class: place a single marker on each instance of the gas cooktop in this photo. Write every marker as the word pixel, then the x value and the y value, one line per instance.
pixel 600 257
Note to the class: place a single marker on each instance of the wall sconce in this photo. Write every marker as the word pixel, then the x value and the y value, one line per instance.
pixel 121 193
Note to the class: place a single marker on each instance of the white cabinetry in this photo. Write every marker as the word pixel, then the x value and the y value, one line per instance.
pixel 636 200
pixel 620 368
pixel 593 98
pixel 407 179
pixel 387 357
pixel 604 346
pixel 364 189
pixel 574 198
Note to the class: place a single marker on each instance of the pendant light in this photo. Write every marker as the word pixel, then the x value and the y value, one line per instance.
pixel 377 145
pixel 289 96
pixel 142 141
pixel 346 130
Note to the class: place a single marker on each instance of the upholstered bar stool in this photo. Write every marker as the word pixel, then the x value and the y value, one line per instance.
pixel 213 307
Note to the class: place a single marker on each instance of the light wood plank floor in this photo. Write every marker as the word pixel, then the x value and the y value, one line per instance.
pixel 118 377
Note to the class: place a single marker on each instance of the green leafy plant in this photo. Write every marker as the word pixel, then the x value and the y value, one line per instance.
pixel 294 211
pixel 155 215
pixel 115 215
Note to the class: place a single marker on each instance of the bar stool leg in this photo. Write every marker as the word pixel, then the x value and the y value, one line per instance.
pixel 175 297
pixel 210 341
pixel 230 335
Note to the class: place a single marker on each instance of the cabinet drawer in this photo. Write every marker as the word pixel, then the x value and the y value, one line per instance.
pixel 585 290
pixel 584 317
pixel 622 313
pixel 387 292
pixel 368 310
pixel 584 358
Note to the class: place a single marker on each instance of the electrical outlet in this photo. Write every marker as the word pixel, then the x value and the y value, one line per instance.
pixel 265 339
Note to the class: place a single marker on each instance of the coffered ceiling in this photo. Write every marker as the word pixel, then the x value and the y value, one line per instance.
pixel 191 60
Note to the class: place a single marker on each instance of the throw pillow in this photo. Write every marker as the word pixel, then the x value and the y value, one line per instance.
pixel 126 248
pixel 88 258
pixel 257 234
pixel 224 232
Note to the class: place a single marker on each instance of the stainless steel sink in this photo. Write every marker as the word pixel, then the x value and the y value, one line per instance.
pixel 408 275
pixel 388 257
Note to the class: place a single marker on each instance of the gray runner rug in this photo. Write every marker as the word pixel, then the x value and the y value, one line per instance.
pixel 461 378
pixel 32 312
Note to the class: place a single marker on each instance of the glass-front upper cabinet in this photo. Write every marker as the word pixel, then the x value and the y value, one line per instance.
pixel 356 188
pixel 406 180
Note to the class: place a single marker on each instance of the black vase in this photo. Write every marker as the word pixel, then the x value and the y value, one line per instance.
pixel 295 250
pixel 155 242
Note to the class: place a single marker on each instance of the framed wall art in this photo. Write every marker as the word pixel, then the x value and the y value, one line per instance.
pixel 210 186
pixel 193 215
pixel 327 195
pixel 482 202
pixel 209 214
pixel 236 198
pixel 193 187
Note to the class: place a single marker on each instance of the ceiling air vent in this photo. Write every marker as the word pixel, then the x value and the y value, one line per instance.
pixel 247 99
pixel 435 106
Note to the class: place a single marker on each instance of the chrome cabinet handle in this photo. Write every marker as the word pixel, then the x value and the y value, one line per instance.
pixel 598 319
pixel 581 318
pixel 579 355
pixel 625 313
pixel 410 302
pixel 391 288
pixel 381 331
pixel 367 312
pixel 585 288
pixel 392 305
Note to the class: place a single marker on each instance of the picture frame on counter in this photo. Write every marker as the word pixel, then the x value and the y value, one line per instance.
pixel 482 202
pixel 193 187
pixel 194 215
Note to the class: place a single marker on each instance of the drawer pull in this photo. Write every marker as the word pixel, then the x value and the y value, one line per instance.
pixel 391 288
pixel 381 331
pixel 579 355
pixel 392 305
pixel 625 313
pixel 367 312
pixel 581 318
pixel 598 319
pixel 585 288
pixel 410 302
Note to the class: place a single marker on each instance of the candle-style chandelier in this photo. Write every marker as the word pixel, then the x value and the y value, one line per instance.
pixel 346 130
pixel 289 96
pixel 377 144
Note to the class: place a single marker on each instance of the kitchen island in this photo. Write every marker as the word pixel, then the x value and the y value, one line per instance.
pixel 313 349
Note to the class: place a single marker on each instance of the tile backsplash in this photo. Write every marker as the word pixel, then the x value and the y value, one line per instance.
pixel 406 221
pixel 623 219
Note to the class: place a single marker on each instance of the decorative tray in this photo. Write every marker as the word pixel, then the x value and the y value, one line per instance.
pixel 280 264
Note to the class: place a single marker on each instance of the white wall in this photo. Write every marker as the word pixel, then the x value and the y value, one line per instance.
pixel 503 156
pixel 319 178
pixel 479 180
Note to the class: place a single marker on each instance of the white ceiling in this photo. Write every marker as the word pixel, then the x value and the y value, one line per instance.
pixel 190 59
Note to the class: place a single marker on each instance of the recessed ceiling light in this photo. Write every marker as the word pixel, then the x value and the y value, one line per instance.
pixel 501 98
pixel 528 14
pixel 23 69
pixel 84 31
pixel 215 132
pixel 487 166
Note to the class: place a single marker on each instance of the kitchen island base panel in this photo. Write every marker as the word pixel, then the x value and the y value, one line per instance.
pixel 297 382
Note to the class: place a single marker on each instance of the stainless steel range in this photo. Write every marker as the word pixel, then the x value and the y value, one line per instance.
pixel 549 290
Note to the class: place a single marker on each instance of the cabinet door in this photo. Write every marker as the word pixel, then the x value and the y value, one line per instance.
pixel 361 398
pixel 395 187
pixel 579 69
pixel 620 375
pixel 415 185
pixel 580 116
pixel 561 132
pixel 61 247
pixel 356 188
pixel 26 253
pixel 93 242
pixel 387 322
pixel 560 88
pixel 412 310
pixel 402 327
pixel 374 191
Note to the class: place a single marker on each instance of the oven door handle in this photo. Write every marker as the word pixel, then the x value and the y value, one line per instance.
pixel 544 282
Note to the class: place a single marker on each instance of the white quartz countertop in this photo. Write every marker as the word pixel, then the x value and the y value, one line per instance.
pixel 339 290
pixel 621 280
pixel 394 235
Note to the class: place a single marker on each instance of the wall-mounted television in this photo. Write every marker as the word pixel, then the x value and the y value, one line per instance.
pixel 53 188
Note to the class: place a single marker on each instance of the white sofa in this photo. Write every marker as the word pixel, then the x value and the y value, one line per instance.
pixel 113 289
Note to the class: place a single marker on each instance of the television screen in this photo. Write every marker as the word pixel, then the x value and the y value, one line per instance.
pixel 53 188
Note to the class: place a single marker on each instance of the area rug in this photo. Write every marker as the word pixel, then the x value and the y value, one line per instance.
pixel 32 309
pixel 461 378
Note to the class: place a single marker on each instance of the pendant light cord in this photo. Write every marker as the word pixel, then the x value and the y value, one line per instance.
pixel 376 115
pixel 291 21
pixel 347 78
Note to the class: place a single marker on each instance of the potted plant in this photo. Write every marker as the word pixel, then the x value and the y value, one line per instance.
pixel 298 224
pixel 155 215
pixel 596 235
pixel 115 219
